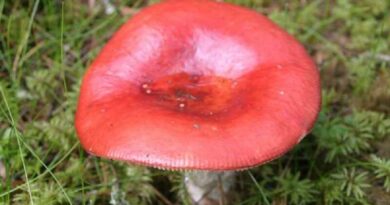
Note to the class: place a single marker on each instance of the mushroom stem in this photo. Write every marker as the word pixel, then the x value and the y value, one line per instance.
pixel 209 188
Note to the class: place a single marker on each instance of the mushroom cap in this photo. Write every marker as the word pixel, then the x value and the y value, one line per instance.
pixel 198 84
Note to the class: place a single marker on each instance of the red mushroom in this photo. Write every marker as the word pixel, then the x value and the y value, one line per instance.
pixel 198 85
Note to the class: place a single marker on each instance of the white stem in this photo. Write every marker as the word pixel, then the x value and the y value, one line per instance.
pixel 208 188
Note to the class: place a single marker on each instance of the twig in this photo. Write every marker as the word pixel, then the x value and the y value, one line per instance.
pixel 3 173
pixel 220 187
pixel 378 56
pixel 161 196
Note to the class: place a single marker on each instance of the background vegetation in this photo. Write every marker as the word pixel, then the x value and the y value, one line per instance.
pixel 46 45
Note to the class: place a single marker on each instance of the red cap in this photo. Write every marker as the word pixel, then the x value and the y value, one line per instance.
pixel 198 84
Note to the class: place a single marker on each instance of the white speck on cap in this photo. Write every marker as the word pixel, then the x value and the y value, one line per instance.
pixel 182 105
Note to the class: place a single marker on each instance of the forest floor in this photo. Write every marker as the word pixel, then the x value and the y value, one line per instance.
pixel 46 46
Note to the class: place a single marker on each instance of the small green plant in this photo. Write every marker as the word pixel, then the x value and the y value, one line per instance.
pixel 381 169
pixel 295 190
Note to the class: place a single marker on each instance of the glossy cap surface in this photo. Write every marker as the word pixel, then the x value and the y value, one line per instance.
pixel 197 84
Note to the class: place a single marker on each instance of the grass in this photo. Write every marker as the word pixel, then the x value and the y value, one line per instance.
pixel 46 45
